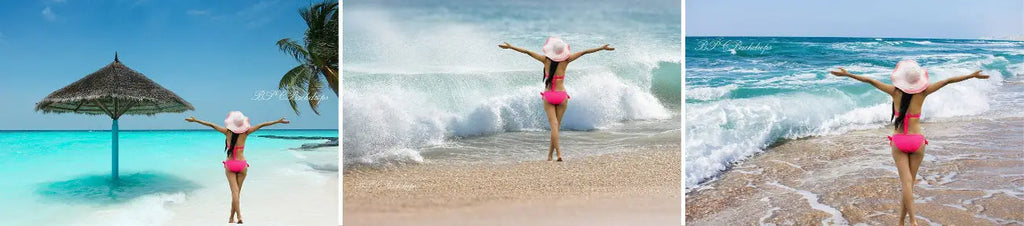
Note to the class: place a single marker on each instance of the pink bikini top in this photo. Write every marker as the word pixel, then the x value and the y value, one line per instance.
pixel 906 120
pixel 556 77
pixel 553 80
pixel 234 154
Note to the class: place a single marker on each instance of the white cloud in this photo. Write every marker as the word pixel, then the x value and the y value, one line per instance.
pixel 48 14
pixel 196 12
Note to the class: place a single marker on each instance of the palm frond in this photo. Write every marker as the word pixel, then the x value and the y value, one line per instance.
pixel 321 40
pixel 317 56
pixel 291 77
pixel 294 49
pixel 313 94
pixel 294 83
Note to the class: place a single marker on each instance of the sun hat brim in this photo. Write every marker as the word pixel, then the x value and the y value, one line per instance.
pixel 901 74
pixel 549 50
pixel 233 116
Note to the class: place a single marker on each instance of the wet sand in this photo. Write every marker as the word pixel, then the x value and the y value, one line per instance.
pixel 639 187
pixel 972 174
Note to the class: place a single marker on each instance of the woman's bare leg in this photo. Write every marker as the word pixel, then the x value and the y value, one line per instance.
pixel 559 112
pixel 915 164
pixel 240 178
pixel 233 185
pixel 903 168
pixel 553 120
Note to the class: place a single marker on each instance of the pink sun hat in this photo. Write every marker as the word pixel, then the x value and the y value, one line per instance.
pixel 910 77
pixel 556 49
pixel 237 122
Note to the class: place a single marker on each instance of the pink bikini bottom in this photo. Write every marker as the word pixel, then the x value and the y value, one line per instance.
pixel 555 97
pixel 907 143
pixel 235 165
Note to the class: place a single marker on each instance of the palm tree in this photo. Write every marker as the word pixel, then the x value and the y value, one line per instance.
pixel 317 56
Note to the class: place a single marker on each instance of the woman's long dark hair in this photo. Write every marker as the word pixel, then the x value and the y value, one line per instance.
pixel 231 148
pixel 904 105
pixel 550 76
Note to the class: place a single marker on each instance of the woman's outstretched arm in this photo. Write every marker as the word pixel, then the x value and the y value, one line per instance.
pixel 877 84
pixel 589 51
pixel 261 125
pixel 536 56
pixel 938 85
pixel 211 125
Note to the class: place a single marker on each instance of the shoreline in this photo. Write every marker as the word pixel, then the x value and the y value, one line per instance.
pixel 971 174
pixel 620 188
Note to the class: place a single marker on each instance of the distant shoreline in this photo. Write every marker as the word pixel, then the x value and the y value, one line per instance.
pixel 330 141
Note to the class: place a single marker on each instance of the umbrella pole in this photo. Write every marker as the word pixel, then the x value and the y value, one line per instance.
pixel 113 155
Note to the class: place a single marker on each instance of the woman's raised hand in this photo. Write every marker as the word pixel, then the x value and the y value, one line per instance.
pixel 505 45
pixel 283 121
pixel 841 72
pixel 977 74
pixel 605 47
pixel 190 119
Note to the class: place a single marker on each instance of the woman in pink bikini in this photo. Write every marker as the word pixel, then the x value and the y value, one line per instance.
pixel 908 90
pixel 236 129
pixel 555 59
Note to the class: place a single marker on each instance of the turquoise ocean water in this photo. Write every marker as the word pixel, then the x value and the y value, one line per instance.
pixel 744 94
pixel 426 81
pixel 168 177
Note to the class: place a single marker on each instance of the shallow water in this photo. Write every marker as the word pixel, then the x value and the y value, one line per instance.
pixel 971 175
pixel 166 177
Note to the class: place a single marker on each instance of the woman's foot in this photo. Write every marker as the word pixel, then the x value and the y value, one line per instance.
pixel 559 159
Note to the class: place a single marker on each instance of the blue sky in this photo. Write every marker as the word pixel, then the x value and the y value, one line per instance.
pixel 871 18
pixel 215 54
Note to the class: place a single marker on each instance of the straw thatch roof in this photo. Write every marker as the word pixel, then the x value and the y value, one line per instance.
pixel 113 90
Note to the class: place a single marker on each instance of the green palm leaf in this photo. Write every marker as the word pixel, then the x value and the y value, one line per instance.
pixel 294 83
pixel 313 93
pixel 293 48
pixel 317 55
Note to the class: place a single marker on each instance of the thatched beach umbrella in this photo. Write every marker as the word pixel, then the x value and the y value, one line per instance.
pixel 114 90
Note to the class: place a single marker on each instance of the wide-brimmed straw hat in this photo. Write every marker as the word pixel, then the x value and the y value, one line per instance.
pixel 237 122
pixel 556 49
pixel 910 77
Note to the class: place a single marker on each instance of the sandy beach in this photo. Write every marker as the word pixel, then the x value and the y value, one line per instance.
pixel 972 174
pixel 628 188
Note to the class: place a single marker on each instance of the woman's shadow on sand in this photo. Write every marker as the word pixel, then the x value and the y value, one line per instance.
pixel 101 189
